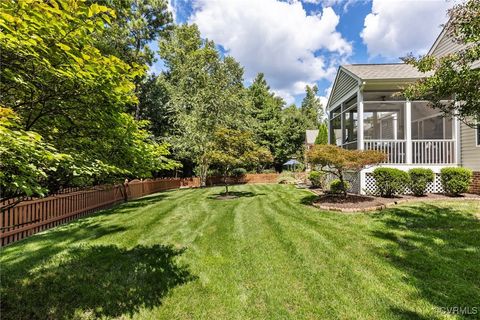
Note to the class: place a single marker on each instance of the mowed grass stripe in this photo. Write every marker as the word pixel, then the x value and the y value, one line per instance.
pixel 264 255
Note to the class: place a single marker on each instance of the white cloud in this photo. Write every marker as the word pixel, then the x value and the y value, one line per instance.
pixel 330 3
pixel 277 38
pixel 395 28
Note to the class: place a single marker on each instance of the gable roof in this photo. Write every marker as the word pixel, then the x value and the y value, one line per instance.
pixel 344 82
pixel 386 71
pixel 311 135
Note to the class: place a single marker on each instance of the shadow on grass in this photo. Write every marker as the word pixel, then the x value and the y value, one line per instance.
pixel 92 281
pixel 309 200
pixel 438 250
pixel 236 194
pixel 132 204
pixel 33 250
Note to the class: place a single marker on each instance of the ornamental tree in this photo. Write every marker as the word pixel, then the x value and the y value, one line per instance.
pixel 322 137
pixel 337 161
pixel 453 75
pixel 233 148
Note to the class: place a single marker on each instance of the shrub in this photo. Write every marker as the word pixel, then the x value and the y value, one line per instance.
pixel 338 161
pixel 268 171
pixel 390 181
pixel 419 180
pixel 316 178
pixel 455 180
pixel 239 172
pixel 286 177
pixel 336 186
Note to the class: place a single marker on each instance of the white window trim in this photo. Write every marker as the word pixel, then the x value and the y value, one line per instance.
pixel 477 134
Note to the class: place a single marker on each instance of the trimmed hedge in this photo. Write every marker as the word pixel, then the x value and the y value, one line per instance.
pixel 239 172
pixel 419 180
pixel 286 177
pixel 390 181
pixel 456 180
pixel 316 178
pixel 336 186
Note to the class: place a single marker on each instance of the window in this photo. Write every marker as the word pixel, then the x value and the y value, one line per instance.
pixel 478 135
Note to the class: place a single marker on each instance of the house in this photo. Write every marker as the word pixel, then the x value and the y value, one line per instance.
pixel 365 112
pixel 310 137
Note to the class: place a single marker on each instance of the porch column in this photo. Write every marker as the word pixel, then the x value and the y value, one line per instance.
pixel 360 144
pixel 456 132
pixel 408 132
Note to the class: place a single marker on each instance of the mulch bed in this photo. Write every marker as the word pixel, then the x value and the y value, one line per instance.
pixel 225 197
pixel 360 203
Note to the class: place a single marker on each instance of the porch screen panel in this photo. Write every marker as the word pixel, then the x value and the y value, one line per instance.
pixel 336 129
pixel 384 120
pixel 429 124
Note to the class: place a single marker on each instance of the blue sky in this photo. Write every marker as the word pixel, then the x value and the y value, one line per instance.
pixel 300 42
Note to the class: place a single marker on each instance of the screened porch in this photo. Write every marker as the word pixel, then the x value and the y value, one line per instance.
pixel 409 132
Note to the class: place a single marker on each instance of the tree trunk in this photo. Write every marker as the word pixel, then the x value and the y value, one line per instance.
pixel 225 182
pixel 342 181
pixel 202 171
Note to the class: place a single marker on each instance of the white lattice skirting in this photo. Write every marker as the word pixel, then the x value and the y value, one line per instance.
pixel 353 179
pixel 433 187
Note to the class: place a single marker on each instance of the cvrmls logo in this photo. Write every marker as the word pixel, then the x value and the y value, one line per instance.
pixel 460 310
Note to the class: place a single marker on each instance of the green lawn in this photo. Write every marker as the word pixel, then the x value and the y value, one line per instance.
pixel 267 254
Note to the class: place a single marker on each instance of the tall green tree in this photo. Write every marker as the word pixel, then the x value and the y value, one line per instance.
pixel 266 113
pixel 153 98
pixel 205 92
pixel 292 135
pixel 70 93
pixel 311 107
pixel 138 23
pixel 453 75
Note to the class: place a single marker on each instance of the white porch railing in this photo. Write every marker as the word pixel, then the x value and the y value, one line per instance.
pixel 433 151
pixel 423 151
pixel 395 149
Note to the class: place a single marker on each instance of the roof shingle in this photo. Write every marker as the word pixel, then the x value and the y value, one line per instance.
pixel 384 71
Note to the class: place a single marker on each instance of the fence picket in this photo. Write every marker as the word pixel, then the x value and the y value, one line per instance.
pixel 34 215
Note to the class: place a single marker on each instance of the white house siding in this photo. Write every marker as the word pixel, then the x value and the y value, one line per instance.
pixel 470 153
pixel 446 45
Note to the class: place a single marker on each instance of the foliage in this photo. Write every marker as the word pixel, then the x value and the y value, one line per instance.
pixel 268 171
pixel 316 178
pixel 138 23
pixel 286 177
pixel 322 137
pixel 338 161
pixel 232 148
pixel 24 159
pixel 266 111
pixel 52 72
pixel 338 186
pixel 456 180
pixel 390 181
pixel 311 108
pixel 205 92
pixel 153 105
pixel 239 172
pixel 71 96
pixel 281 129
pixel 291 135
pixel 453 75
pixel 419 179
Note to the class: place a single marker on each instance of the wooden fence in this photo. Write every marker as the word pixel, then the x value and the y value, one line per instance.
pixel 31 216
